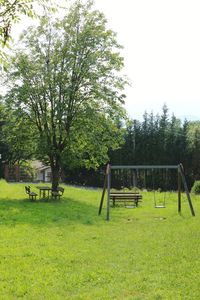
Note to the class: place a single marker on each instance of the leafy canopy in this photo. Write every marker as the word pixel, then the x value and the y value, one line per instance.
pixel 66 78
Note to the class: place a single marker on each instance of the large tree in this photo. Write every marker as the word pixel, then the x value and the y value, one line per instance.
pixel 66 79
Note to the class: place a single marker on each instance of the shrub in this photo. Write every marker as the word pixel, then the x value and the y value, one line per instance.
pixel 196 187
pixel 3 183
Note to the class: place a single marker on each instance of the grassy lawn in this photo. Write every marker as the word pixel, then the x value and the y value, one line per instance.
pixel 63 250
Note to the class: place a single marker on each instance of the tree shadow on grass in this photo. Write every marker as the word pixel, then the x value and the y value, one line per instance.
pixel 65 211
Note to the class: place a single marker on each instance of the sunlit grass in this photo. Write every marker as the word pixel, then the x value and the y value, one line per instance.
pixel 64 250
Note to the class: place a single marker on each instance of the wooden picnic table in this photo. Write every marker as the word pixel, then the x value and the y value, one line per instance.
pixel 44 191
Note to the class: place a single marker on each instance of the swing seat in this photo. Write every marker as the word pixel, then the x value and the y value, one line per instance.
pixel 130 206
pixel 159 206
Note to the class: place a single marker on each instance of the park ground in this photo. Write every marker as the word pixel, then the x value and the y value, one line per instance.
pixel 64 250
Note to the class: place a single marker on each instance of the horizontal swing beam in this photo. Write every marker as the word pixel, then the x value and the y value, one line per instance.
pixel 145 167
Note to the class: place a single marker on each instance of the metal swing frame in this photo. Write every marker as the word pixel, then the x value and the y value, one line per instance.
pixel 181 179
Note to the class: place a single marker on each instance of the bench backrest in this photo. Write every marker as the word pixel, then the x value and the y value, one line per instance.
pixel 125 194
pixel 27 189
pixel 61 189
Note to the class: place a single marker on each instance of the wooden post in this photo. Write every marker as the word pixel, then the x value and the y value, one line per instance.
pixel 6 172
pixel 179 191
pixel 134 178
pixel 17 172
pixel 108 194
pixel 104 190
pixel 186 189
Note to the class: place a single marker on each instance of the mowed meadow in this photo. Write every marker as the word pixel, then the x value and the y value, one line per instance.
pixel 63 250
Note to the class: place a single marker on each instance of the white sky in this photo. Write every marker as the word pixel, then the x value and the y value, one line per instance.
pixel 161 40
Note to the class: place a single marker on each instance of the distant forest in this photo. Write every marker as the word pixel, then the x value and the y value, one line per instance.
pixel 156 140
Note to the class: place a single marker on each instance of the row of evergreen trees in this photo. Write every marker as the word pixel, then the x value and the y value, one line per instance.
pixel 156 140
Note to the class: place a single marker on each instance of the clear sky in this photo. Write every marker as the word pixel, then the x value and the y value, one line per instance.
pixel 161 40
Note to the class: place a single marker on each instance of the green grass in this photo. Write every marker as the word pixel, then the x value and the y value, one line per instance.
pixel 63 250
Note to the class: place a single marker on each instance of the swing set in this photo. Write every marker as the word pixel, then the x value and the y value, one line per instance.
pixel 136 196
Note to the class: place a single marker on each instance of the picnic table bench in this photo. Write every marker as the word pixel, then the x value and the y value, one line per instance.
pixel 32 195
pixel 58 193
pixel 126 197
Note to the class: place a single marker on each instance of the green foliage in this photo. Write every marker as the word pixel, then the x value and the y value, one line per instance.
pixel 3 144
pixel 70 86
pixel 28 171
pixel 196 187
pixel 193 138
pixel 11 13
pixel 63 250
pixel 18 136
pixel 4 185
pixel 90 141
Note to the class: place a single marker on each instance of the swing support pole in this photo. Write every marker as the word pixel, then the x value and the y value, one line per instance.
pixel 179 191
pixel 108 192
pixel 104 189
pixel 181 171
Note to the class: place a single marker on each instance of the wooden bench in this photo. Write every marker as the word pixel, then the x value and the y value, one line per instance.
pixel 58 193
pixel 32 195
pixel 126 197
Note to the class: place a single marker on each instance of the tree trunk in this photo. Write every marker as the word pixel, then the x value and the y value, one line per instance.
pixel 55 169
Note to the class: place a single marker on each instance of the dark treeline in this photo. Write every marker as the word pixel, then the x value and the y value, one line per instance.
pixel 156 140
